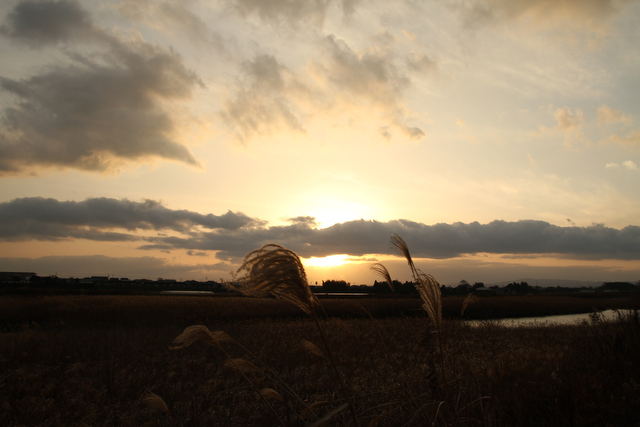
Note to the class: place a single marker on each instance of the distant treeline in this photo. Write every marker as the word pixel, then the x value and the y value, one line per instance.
pixel 463 288
pixel 30 281
pixel 103 283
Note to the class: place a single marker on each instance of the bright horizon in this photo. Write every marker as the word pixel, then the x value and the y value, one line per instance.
pixel 143 138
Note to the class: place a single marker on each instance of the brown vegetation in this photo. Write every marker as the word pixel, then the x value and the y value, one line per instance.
pixel 106 361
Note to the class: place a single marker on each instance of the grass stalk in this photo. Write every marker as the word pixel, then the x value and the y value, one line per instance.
pixel 429 290
pixel 352 409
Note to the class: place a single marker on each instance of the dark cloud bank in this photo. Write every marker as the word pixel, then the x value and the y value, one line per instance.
pixel 96 111
pixel 233 234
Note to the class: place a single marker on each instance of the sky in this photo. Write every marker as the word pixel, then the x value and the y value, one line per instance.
pixel 146 139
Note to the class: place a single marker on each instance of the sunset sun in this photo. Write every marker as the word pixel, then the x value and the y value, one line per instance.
pixel 325 262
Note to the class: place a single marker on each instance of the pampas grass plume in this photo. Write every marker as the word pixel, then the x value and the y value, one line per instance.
pixel 196 333
pixel 270 393
pixel 241 365
pixel 428 287
pixel 278 271
pixel 382 271
pixel 154 401
pixel 311 348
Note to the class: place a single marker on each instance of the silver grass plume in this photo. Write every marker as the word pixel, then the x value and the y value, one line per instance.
pixel 154 401
pixel 278 271
pixel 200 333
pixel 382 271
pixel 429 290
pixel 428 287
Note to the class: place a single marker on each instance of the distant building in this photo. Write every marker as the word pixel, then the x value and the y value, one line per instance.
pixel 16 276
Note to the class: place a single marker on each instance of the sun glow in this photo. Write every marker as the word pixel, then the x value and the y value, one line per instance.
pixel 334 209
pixel 328 261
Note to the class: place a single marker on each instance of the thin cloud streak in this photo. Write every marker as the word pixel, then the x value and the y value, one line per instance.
pixel 131 267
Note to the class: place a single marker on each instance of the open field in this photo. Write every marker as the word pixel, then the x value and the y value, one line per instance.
pixel 92 360
pixel 152 310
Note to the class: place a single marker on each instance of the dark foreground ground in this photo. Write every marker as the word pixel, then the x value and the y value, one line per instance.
pixel 106 360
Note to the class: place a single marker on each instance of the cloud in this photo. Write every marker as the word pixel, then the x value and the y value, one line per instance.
pixel 612 165
pixel 630 164
pixel 359 238
pixel 630 141
pixel 368 75
pixel 421 63
pixel 38 218
pixel 98 112
pixel 293 13
pixel 233 235
pixel 340 83
pixel 361 259
pixel 172 18
pixel 568 120
pixel 608 116
pixel 194 253
pixel 367 80
pixel 304 221
pixel 265 101
pixel 45 23
pixel 581 20
pixel 570 124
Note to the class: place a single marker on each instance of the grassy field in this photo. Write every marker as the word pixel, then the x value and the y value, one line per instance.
pixel 106 360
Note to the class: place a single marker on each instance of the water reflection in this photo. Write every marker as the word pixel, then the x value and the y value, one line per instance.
pixel 567 319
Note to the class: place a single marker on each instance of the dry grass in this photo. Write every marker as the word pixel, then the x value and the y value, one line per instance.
pixel 499 376
pixel 55 374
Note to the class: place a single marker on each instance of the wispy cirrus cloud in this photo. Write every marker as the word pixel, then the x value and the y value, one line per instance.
pixel 265 100
pixel 293 13
pixel 341 84
pixel 174 19
pixel 571 21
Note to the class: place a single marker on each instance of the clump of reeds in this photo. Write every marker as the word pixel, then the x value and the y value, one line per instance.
pixel 278 271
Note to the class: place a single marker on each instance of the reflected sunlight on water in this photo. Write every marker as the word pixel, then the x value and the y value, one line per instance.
pixel 566 319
